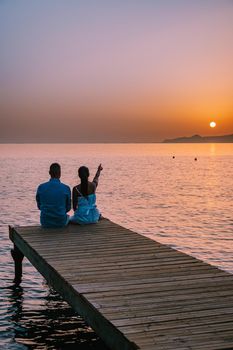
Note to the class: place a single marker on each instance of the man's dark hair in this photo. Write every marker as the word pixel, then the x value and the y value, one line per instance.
pixel 55 170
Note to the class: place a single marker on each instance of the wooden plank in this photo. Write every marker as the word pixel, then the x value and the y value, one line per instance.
pixel 164 308
pixel 168 286
pixel 164 295
pixel 111 335
pixel 192 340
pixel 143 282
pixel 113 285
pixel 134 292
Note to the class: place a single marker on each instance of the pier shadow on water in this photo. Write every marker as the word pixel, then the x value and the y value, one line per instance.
pixel 55 326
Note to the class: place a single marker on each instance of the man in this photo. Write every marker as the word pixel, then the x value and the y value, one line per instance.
pixel 54 200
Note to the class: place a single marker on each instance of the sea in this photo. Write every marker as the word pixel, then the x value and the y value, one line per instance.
pixel 177 194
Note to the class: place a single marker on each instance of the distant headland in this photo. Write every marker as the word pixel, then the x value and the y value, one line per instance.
pixel 202 139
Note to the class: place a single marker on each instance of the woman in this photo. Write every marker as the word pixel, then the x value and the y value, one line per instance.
pixel 84 198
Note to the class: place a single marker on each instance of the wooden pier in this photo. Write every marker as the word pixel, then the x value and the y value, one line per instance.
pixel 134 292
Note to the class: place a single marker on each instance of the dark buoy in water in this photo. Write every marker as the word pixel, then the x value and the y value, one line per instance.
pixel 195 159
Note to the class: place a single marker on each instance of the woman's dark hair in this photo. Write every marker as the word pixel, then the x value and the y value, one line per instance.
pixel 83 173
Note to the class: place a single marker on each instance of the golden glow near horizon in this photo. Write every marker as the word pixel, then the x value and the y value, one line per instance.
pixel 212 124
pixel 119 71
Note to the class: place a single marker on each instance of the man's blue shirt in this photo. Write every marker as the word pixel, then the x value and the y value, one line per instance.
pixel 54 201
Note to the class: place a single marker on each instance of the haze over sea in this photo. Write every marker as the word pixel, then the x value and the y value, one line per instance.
pixel 158 190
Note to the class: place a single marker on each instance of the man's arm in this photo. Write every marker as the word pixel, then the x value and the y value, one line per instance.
pixel 38 198
pixel 74 198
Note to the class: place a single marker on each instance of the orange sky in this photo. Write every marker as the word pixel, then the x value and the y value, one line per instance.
pixel 126 71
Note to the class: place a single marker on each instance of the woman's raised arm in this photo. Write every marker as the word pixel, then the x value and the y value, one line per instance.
pixel 96 177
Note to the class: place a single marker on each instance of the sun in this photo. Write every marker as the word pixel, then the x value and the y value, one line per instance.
pixel 212 124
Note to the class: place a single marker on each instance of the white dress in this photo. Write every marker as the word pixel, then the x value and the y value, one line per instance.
pixel 86 212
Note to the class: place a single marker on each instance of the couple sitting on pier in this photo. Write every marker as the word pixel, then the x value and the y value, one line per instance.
pixel 54 199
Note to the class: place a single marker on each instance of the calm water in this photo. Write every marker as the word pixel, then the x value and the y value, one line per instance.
pixel 184 203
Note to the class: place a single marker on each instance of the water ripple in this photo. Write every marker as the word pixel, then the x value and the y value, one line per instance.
pixel 179 202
